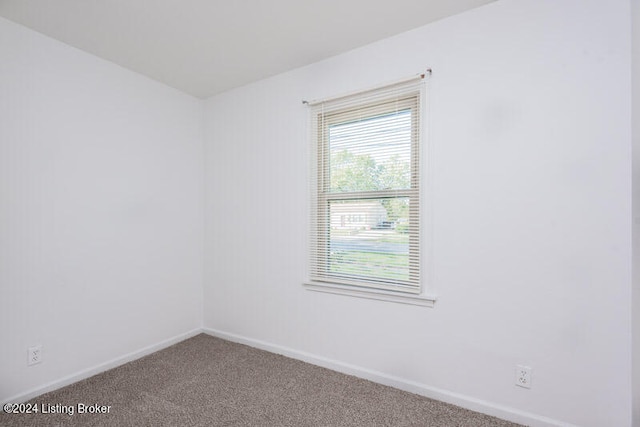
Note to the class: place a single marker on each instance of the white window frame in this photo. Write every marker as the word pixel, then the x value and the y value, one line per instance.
pixel 407 94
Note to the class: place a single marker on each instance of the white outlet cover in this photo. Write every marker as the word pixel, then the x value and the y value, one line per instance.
pixel 34 355
pixel 523 376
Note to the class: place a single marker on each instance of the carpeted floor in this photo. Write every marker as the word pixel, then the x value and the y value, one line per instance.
pixel 207 381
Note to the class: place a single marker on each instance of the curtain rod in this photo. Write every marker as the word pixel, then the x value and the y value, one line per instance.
pixel 427 73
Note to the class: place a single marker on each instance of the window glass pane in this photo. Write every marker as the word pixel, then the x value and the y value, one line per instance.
pixel 371 154
pixel 369 239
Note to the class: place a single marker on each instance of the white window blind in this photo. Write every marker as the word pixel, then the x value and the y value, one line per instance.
pixel 365 213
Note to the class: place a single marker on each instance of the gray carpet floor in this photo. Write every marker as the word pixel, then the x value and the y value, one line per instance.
pixel 207 381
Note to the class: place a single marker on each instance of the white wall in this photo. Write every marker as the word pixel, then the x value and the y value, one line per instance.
pixel 100 212
pixel 530 137
pixel 635 53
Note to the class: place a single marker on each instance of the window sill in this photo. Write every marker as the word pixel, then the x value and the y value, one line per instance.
pixel 423 300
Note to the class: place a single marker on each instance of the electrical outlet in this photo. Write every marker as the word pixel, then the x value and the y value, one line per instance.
pixel 523 376
pixel 34 355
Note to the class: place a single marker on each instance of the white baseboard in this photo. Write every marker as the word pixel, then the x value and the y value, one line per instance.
pixel 467 402
pixel 89 372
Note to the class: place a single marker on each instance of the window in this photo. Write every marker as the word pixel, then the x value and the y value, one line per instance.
pixel 365 214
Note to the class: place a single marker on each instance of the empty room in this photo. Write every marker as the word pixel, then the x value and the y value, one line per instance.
pixel 319 213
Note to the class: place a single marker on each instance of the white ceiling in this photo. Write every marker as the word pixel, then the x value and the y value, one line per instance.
pixel 204 47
